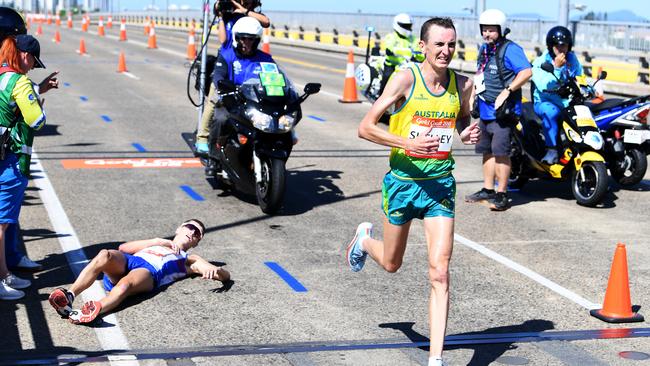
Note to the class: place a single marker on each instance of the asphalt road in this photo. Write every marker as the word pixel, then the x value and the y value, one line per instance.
pixel 537 267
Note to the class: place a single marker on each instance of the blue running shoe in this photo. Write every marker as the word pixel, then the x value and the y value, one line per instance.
pixel 202 147
pixel 356 256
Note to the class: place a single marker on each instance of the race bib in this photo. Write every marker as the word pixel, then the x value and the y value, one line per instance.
pixel 443 128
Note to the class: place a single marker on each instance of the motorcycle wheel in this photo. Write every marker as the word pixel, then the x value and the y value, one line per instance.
pixel 636 166
pixel 270 191
pixel 590 187
pixel 517 178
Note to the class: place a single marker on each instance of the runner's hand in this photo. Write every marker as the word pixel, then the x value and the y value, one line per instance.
pixel 423 144
pixel 471 134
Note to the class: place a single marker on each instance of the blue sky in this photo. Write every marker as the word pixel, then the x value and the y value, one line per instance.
pixel 549 9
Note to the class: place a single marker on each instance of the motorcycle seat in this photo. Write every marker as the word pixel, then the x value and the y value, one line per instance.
pixel 605 105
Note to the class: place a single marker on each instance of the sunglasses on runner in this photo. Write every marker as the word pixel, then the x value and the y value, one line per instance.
pixel 196 232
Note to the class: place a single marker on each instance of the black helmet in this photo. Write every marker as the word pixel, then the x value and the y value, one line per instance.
pixel 11 23
pixel 558 35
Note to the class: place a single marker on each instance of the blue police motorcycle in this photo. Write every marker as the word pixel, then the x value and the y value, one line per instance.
pixel 624 126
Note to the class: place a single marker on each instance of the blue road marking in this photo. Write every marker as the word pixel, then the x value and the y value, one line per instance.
pixel 316 118
pixel 139 147
pixel 289 279
pixel 190 192
pixel 83 99
pixel 66 84
pixel 106 118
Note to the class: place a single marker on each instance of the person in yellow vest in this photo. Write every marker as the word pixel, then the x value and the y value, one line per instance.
pixel 432 101
pixel 400 47
pixel 21 113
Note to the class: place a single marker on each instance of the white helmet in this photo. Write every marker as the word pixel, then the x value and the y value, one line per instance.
pixel 246 27
pixel 493 17
pixel 403 24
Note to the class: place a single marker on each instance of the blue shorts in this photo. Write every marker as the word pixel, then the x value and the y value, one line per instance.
pixel 12 189
pixel 133 262
pixel 406 199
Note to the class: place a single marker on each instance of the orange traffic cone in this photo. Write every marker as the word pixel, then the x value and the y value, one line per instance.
pixel 39 30
pixel 57 36
pixel 109 23
pixel 121 66
pixel 123 30
pixel 100 27
pixel 152 37
pixel 191 45
pixel 69 22
pixel 84 24
pixel 82 47
pixel 617 307
pixel 350 86
pixel 58 20
pixel 49 19
pixel 266 47
pixel 146 27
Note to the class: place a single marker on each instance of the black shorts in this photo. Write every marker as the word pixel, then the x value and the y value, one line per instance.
pixel 495 138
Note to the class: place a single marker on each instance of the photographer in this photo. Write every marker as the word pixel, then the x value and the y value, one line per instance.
pixel 229 11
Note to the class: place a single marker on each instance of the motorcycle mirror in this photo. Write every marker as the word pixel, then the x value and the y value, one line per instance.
pixel 548 67
pixel 603 75
pixel 312 88
pixel 226 85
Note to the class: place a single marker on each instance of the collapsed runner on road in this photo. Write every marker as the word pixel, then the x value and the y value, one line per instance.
pixel 138 266
pixel 431 102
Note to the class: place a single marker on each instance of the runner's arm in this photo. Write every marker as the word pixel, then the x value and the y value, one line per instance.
pixel 398 87
pixel 135 246
pixel 207 270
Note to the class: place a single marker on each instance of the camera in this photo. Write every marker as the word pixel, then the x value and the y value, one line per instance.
pixel 225 6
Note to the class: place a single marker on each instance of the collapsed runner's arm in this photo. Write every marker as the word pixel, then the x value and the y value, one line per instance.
pixel 135 246
pixel 207 270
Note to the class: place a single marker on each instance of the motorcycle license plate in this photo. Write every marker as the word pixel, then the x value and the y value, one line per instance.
pixel 636 136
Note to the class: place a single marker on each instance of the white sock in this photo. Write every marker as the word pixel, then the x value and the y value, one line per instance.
pixel 435 361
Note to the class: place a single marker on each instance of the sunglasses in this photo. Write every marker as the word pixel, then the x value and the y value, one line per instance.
pixel 196 232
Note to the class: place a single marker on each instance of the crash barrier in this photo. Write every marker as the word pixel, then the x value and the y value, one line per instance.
pixel 617 71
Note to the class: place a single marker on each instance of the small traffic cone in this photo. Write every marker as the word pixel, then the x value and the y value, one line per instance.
pixel 266 47
pixel 350 86
pixel 191 45
pixel 69 22
pixel 82 47
pixel 109 23
pixel 49 19
pixel 123 30
pixel 57 36
pixel 146 27
pixel 39 30
pixel 84 24
pixel 58 20
pixel 617 307
pixel 121 66
pixel 152 37
pixel 100 27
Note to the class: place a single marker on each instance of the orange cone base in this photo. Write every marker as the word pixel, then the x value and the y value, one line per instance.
pixel 614 318
pixel 349 101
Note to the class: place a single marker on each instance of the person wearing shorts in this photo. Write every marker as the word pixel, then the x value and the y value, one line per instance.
pixel 137 267
pixel 432 101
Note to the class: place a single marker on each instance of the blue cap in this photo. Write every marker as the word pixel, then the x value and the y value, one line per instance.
pixel 29 44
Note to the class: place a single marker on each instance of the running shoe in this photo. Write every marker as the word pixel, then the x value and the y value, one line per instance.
pixel 483 195
pixel 8 293
pixel 500 202
pixel 61 300
pixel 202 148
pixel 16 282
pixel 355 255
pixel 87 314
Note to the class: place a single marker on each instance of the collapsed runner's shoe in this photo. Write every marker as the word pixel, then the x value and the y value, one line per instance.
pixel 355 255
pixel 61 300
pixel 87 314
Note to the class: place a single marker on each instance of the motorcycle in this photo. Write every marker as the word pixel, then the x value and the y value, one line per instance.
pixel 624 126
pixel 257 137
pixel 580 147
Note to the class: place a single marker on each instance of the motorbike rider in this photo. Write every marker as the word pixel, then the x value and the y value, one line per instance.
pixel 502 69
pixel 401 46
pixel 548 105
pixel 229 11
pixel 238 63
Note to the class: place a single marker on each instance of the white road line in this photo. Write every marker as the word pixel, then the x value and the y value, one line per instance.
pixel 109 337
pixel 528 273
pixel 126 73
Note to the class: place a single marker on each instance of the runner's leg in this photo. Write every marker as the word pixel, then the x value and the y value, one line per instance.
pixel 390 252
pixel 439 232
pixel 111 262
pixel 136 281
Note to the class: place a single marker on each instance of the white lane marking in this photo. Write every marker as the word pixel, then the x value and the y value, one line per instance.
pixel 330 94
pixel 528 273
pixel 172 52
pixel 126 73
pixel 109 337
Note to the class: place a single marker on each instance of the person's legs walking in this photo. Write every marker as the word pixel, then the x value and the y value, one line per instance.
pixel 203 132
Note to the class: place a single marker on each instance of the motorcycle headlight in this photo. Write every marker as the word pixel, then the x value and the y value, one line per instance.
pixel 574 135
pixel 261 121
pixel 286 122
pixel 594 139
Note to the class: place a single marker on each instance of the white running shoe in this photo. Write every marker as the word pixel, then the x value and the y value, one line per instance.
pixel 8 293
pixel 16 282
pixel 551 157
